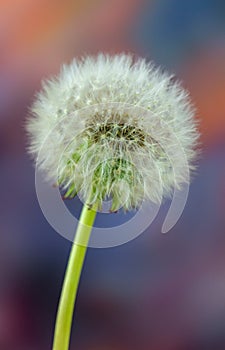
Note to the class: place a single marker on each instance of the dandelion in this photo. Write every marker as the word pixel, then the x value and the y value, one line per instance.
pixel 107 126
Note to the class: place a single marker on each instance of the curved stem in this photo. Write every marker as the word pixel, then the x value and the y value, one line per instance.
pixel 71 280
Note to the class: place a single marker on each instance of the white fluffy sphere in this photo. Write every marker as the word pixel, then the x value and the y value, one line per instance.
pixel 111 126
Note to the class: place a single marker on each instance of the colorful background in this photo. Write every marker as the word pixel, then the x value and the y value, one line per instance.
pixel 158 292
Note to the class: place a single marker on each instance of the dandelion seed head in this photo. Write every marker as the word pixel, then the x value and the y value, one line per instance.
pixel 104 128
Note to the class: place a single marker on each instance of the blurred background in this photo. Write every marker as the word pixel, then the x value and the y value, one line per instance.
pixel 158 292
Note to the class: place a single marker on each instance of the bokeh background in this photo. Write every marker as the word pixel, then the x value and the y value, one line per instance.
pixel 158 292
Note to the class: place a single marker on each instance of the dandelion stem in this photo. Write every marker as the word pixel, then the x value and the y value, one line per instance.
pixel 71 280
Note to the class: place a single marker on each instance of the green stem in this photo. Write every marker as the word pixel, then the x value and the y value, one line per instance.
pixel 71 281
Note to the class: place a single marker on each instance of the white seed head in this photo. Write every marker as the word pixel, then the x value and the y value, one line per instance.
pixel 112 126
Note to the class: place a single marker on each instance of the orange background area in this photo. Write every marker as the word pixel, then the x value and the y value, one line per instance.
pixel 205 78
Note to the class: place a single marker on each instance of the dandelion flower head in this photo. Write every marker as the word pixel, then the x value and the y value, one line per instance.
pixel 106 126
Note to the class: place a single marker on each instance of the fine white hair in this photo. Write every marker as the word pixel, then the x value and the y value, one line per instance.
pixel 112 126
